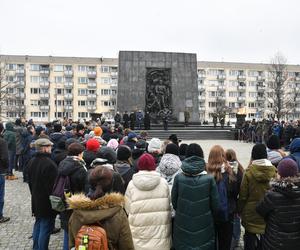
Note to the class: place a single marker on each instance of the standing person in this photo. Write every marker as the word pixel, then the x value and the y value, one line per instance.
pixel 147 121
pixel 117 119
pixel 280 209
pixel 254 185
pixel 102 206
pixel 148 195
pixel 56 135
pixel 295 151
pixel 238 171
pixel 4 163
pixel 20 131
pixel 139 119
pixel 10 137
pixel 125 120
pixel 132 118
pixel 73 166
pixel 42 172
pixel 227 189
pixel 275 154
pixel 186 117
pixel 195 200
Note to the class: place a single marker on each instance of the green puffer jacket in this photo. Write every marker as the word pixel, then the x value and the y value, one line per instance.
pixel 195 200
pixel 255 183
pixel 9 136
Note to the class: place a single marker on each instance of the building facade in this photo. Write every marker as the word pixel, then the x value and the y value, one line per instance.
pixel 45 88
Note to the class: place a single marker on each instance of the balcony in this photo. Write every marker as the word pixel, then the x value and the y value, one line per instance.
pixel 68 96
pixel 92 74
pixel 44 84
pixel 68 107
pixel 68 85
pixel 201 76
pixel 45 107
pixel 261 88
pixel 44 72
pixel 260 78
pixel 221 77
pixel 297 98
pixel 91 108
pixel 92 85
pixel 297 109
pixel 241 99
pixel 20 95
pixel 68 73
pixel 20 72
pixel 20 84
pixel 241 77
pixel 201 98
pixel 44 96
pixel 92 97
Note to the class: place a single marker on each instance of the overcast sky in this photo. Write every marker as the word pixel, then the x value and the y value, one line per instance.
pixel 223 30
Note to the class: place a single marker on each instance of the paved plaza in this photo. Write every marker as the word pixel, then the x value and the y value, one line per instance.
pixel 15 233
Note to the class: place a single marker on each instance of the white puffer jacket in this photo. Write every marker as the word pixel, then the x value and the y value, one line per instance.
pixel 148 206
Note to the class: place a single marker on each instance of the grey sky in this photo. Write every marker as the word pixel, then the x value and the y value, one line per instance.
pixel 223 30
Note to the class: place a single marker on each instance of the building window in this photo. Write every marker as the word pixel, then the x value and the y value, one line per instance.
pixel 104 69
pixel 252 94
pixel 82 68
pixel 91 92
pixel 82 91
pixel 68 67
pixel 34 79
pixel 252 105
pixel 252 73
pixel 213 72
pixel 58 68
pixel 59 91
pixel 11 66
pixel 105 80
pixel 44 79
pixel 59 102
pixel 58 79
pixel 34 67
pixel 34 90
pixel 233 94
pixel 105 91
pixel 251 83
pixel 233 72
pixel 83 114
pixel 34 102
pixel 81 103
pixel 83 79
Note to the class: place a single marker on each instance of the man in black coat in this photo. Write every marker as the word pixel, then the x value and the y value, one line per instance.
pixel 125 120
pixel 132 118
pixel 3 172
pixel 42 172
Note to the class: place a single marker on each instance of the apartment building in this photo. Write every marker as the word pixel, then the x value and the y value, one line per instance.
pixel 247 87
pixel 46 88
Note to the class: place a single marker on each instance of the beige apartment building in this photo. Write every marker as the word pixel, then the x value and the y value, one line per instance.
pixel 44 88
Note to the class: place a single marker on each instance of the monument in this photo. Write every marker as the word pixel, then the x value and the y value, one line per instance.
pixel 161 83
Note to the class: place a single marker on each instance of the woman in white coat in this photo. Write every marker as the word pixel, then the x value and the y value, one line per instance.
pixel 148 207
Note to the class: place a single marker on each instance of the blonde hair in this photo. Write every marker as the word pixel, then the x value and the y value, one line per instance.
pixel 231 156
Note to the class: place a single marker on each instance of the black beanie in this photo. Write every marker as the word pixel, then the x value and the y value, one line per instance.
pixel 273 142
pixel 172 148
pixel 108 154
pixel 123 153
pixel 259 151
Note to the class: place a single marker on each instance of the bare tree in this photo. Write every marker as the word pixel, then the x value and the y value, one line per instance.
pixel 280 96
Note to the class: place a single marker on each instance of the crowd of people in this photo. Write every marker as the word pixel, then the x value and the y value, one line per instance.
pixel 154 194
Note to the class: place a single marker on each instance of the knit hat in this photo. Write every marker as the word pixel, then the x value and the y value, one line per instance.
pixel 98 131
pixel 92 145
pixel 146 162
pixel 113 143
pixel 107 153
pixel 169 165
pixel 123 153
pixel 259 151
pixel 154 145
pixel 287 168
pixel 273 142
pixel 172 148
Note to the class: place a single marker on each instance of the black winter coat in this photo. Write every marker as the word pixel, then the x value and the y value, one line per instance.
pixel 3 156
pixel 42 172
pixel 59 155
pixel 281 211
pixel 77 173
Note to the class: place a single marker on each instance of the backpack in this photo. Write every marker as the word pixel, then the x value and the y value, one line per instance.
pixel 61 189
pixel 223 212
pixel 91 237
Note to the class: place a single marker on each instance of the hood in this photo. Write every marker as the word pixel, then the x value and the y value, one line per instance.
pixel 146 180
pixel 288 186
pixel 193 165
pixel 89 156
pixel 89 211
pixel 262 173
pixel 69 165
pixel 169 165
pixel 295 146
pixel 9 126
pixel 274 156
pixel 55 137
pixel 122 167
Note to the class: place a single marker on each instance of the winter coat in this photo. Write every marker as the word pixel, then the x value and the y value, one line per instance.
pixel 254 185
pixel 149 213
pixel 9 136
pixel 59 155
pixel 3 156
pixel 108 210
pixel 20 131
pixel 42 172
pixel 281 210
pixel 125 170
pixel 295 151
pixel 74 168
pixel 195 199
pixel 55 137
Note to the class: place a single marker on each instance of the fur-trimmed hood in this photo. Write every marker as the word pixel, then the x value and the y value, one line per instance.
pixel 82 202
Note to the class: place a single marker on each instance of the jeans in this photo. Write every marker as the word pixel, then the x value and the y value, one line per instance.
pixel 41 232
pixel 66 240
pixel 236 227
pixel 11 161
pixel 2 189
